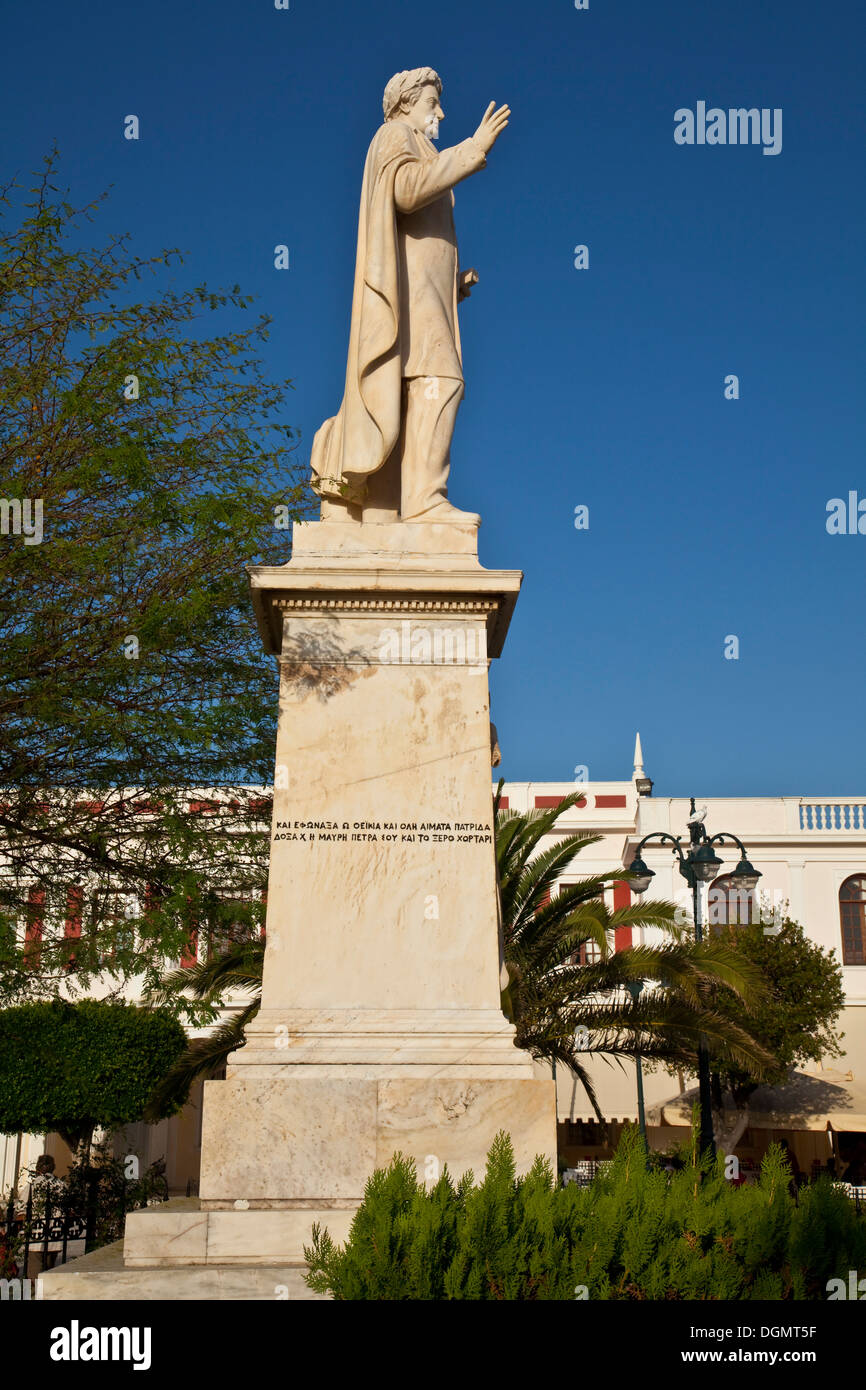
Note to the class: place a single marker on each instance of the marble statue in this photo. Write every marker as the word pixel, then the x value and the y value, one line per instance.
pixel 384 457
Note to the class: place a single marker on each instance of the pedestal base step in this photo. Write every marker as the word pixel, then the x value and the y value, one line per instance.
pixel 101 1277
pixel 170 1237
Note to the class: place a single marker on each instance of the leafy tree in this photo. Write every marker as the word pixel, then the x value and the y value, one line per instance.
pixel 635 1233
pixel 66 1068
pixel 794 1019
pixel 566 1005
pixel 144 464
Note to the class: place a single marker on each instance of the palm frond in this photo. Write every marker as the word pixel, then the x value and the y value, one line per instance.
pixel 239 967
pixel 564 1010
pixel 202 1059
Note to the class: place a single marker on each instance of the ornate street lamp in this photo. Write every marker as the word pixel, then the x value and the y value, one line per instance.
pixel 699 865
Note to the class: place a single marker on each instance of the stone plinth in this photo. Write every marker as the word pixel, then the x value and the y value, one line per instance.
pixel 103 1276
pixel 380 1028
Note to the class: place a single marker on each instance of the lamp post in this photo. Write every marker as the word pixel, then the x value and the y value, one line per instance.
pixel 700 864
pixel 634 988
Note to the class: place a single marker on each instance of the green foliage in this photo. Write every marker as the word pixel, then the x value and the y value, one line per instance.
pixel 70 1067
pixel 564 1009
pixel 130 665
pixel 795 1017
pixel 636 1232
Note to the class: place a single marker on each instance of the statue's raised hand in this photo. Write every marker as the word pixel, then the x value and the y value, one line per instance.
pixel 492 125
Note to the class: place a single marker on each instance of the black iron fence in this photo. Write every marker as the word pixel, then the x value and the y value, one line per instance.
pixel 857 1193
pixel 60 1224
pixel 585 1170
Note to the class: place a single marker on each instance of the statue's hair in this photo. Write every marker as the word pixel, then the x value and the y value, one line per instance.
pixel 405 87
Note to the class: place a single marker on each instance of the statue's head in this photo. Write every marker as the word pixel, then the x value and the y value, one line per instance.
pixel 414 97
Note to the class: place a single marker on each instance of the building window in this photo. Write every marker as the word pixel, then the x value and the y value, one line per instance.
pixel 729 905
pixel 587 952
pixel 118 912
pixel 852 910
pixel 232 919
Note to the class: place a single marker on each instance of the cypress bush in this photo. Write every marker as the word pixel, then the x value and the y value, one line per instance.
pixel 637 1232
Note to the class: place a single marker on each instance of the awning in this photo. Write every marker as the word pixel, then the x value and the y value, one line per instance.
pixel 809 1101
pixel 615 1086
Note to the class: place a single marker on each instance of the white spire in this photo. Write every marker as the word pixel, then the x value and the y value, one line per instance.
pixel 638 758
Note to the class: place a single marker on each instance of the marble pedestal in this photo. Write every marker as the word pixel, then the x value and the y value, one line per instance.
pixel 380 1028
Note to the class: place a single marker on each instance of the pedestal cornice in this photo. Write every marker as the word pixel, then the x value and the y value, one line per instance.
pixel 407 570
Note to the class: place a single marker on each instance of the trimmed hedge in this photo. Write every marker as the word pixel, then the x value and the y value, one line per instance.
pixel 66 1068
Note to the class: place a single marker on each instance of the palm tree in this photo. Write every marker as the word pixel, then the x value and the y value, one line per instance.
pixel 238 968
pixel 563 1005
pixel 567 1001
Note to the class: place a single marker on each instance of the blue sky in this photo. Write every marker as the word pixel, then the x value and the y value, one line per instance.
pixel 602 387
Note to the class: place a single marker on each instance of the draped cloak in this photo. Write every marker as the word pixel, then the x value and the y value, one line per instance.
pixel 359 438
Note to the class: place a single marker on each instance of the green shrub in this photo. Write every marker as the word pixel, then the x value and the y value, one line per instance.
pixel 635 1233
pixel 67 1068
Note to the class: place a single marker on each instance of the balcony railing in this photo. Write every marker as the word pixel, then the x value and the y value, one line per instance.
pixel 833 815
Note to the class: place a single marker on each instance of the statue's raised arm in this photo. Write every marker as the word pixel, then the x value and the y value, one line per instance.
pixel 384 456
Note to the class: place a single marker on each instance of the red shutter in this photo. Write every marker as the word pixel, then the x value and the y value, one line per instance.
pixel 72 925
pixel 621 898
pixel 153 895
pixel 189 954
pixel 604 802
pixel 33 925
pixel 504 804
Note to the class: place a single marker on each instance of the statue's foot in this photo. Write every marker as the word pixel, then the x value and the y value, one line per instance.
pixel 443 511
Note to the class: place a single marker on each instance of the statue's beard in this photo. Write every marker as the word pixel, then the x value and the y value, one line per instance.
pixel 431 129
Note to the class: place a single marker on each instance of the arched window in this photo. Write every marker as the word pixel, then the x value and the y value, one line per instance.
pixel 852 910
pixel 729 905
pixel 587 953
